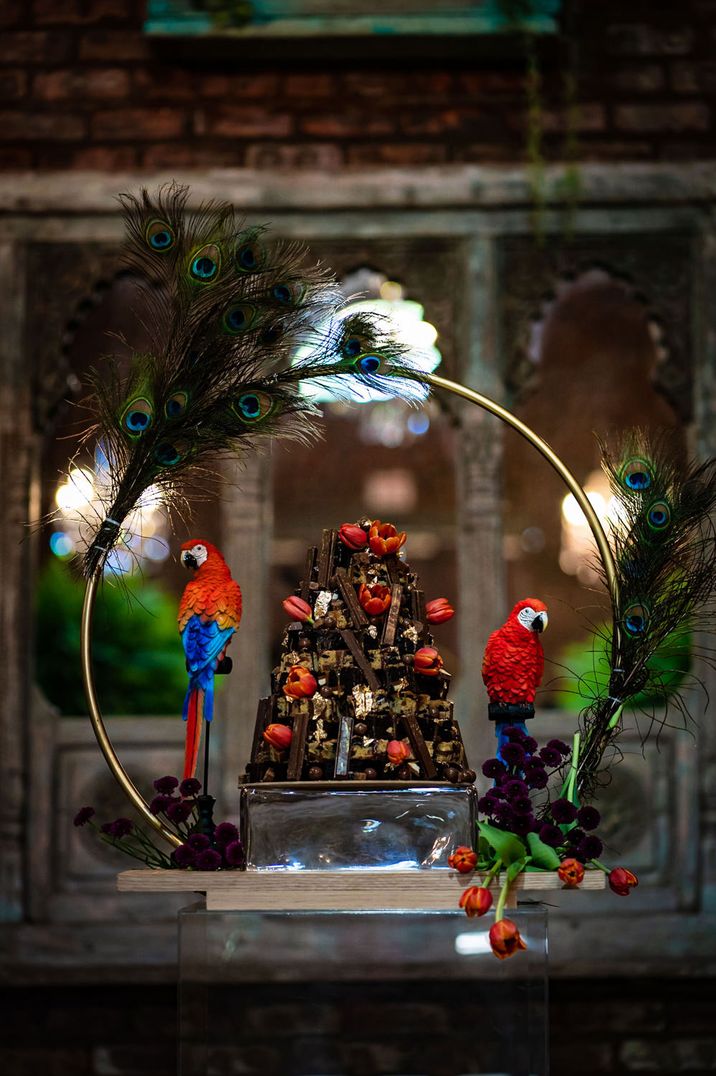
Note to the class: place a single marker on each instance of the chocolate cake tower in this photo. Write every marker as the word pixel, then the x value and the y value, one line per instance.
pixel 360 693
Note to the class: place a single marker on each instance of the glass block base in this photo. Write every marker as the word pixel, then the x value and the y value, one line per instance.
pixel 360 994
pixel 334 826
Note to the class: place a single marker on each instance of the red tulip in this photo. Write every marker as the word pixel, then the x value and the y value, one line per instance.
pixel 571 872
pixel 375 598
pixel 505 939
pixel 279 736
pixel 298 609
pixel 427 661
pixel 463 859
pixel 398 752
pixel 621 881
pixel 353 536
pixel 384 538
pixel 476 900
pixel 300 684
pixel 439 610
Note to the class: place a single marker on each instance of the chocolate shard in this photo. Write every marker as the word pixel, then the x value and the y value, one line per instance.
pixel 325 559
pixel 343 747
pixel 419 746
pixel 360 659
pixel 349 596
pixel 308 572
pixel 392 567
pixel 298 744
pixel 263 716
pixel 391 621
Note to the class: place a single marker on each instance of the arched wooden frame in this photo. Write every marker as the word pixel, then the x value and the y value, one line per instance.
pixel 105 744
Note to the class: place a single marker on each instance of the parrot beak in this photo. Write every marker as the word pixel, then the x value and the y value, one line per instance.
pixel 188 560
pixel 540 622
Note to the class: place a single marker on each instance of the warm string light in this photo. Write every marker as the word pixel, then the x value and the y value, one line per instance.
pixel 577 548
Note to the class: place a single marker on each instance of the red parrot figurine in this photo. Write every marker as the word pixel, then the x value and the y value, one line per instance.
pixel 209 614
pixel 513 665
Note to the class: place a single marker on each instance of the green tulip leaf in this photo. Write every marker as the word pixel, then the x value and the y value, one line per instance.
pixel 542 854
pixel 516 868
pixel 508 846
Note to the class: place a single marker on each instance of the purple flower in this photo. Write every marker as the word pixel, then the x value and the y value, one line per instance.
pixel 493 767
pixel 536 778
pixel 117 829
pixel 486 804
pixel 563 811
pixel 550 756
pixel 160 803
pixel 530 745
pixel 495 793
pixel 591 847
pixel 575 836
pixel 588 817
pixel 523 824
pixel 166 784
pixel 557 745
pixel 225 833
pixel 550 835
pixel 512 754
pixel 179 811
pixel 83 816
pixel 504 815
pixel 199 842
pixel 190 786
pixel 514 734
pixel 535 763
pixel 522 805
pixel 234 854
pixel 515 787
pixel 208 860
pixel 184 856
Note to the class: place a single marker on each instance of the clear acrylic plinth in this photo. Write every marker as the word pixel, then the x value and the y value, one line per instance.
pixel 360 994
pixel 343 825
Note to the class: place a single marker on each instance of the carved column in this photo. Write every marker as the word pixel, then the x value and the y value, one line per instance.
pixel 247 529
pixel 479 465
pixel 16 456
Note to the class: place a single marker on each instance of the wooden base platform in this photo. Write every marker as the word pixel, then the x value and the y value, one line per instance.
pixel 339 891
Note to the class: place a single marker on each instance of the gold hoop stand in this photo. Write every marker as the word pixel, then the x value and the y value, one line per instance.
pixel 105 744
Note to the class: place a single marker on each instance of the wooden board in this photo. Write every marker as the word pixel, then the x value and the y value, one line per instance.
pixel 354 890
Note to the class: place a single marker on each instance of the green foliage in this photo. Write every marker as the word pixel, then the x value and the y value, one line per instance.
pixel 588 676
pixel 542 854
pixel 507 846
pixel 138 657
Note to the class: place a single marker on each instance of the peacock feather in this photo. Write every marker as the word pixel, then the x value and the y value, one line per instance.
pixel 228 311
pixel 664 545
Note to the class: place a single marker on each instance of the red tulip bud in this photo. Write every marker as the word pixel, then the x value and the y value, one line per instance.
pixel 298 609
pixel 505 939
pixel 353 536
pixel 439 610
pixel 463 859
pixel 384 539
pixel 300 683
pixel 279 736
pixel 571 872
pixel 375 598
pixel 621 881
pixel 398 752
pixel 476 900
pixel 427 661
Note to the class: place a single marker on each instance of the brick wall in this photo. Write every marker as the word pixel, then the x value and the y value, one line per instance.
pixel 81 88
pixel 655 1028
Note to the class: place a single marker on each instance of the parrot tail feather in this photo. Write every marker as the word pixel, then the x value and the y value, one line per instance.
pixel 194 719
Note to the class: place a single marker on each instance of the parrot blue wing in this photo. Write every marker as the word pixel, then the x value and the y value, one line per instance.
pixel 203 642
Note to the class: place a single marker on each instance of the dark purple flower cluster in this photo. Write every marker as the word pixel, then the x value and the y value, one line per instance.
pixel 576 843
pixel 121 827
pixel 200 853
pixel 83 816
pixel 176 800
pixel 522 768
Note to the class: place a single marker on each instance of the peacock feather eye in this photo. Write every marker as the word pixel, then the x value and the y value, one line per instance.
pixel 636 619
pixel 205 264
pixel 288 294
pixel 247 260
pixel 176 404
pixel 240 318
pixel 253 406
pixel 659 515
pixel 138 417
pixel 160 235
pixel 352 347
pixel 369 364
pixel 170 453
pixel 636 475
